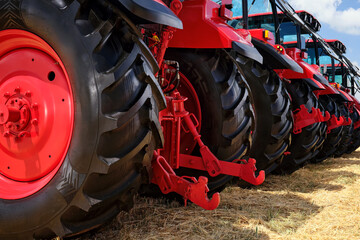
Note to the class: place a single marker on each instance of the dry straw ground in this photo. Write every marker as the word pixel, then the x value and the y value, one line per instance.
pixel 317 202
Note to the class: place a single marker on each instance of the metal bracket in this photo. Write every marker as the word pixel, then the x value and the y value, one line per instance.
pixel 334 122
pixel 244 170
pixel 304 118
pixel 195 191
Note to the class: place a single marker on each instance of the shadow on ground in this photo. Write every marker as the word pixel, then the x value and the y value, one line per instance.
pixel 161 219
pixel 281 212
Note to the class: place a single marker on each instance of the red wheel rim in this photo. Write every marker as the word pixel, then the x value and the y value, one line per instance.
pixel 192 105
pixel 36 113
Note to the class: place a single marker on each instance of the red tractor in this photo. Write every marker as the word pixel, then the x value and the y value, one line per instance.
pixel 100 97
pixel 310 118
pixel 342 135
pixel 87 115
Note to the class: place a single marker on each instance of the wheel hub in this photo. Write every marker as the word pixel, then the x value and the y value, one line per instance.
pixel 36 113
pixel 16 114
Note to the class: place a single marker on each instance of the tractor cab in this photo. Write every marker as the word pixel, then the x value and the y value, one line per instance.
pixel 268 17
pixel 332 69
pixel 335 71
pixel 275 22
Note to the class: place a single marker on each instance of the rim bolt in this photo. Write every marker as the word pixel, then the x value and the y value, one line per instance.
pixel 9 125
pixel 20 103
pixel 22 121
pixel 12 101
pixel 17 89
pixel 6 134
pixel 7 94
pixel 34 121
pixel 24 134
pixel 28 94
pixel 23 111
pixel 35 106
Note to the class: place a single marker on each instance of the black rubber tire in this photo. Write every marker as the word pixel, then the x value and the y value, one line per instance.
pixel 348 132
pixel 304 145
pixel 225 106
pixel 116 127
pixel 273 116
pixel 334 137
pixel 355 138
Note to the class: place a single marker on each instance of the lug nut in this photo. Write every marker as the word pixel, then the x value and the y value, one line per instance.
pixel 35 106
pixel 28 94
pixel 17 89
pixel 24 134
pixel 7 94
pixel 9 125
pixel 34 121
pixel 6 134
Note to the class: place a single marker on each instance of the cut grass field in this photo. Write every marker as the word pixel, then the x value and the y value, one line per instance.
pixel 319 201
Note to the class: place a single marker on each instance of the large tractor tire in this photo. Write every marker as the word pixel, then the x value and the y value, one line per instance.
pixel 348 132
pixel 333 138
pixel 226 112
pixel 78 115
pixel 273 117
pixel 304 145
pixel 355 138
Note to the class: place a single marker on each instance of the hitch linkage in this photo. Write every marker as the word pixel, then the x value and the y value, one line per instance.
pixel 173 119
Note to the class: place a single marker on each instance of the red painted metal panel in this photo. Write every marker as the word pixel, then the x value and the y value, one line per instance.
pixel 204 28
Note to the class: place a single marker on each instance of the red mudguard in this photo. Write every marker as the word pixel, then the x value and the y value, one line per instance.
pixel 310 74
pixel 150 11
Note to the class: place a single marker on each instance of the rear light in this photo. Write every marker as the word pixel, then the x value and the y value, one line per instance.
pixel 267 34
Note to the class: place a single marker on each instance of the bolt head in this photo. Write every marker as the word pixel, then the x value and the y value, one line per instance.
pixel 35 106
pixel 7 94
pixel 17 89
pixel 28 94
pixel 9 125
pixel 34 121
pixel 22 121
pixel 6 134
pixel 24 134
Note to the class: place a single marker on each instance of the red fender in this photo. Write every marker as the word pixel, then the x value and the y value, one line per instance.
pixel 346 95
